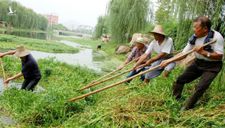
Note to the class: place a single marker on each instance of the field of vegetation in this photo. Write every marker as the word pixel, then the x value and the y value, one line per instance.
pixel 127 105
pixel 133 105
pixel 11 42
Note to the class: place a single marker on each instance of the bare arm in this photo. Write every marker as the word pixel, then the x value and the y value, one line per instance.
pixel 14 77
pixel 11 52
pixel 177 57
pixel 214 55
pixel 153 59
pixel 141 60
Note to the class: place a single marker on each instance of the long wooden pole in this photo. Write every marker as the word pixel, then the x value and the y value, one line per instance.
pixel 108 74
pixel 3 71
pixel 112 85
pixel 130 78
pixel 110 78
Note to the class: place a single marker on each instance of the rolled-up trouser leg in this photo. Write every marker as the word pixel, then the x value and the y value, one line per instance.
pixel 170 66
pixel 168 69
pixel 191 73
pixel 203 85
pixel 155 72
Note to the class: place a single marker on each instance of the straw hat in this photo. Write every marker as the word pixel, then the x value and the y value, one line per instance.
pixel 21 51
pixel 159 30
pixel 138 40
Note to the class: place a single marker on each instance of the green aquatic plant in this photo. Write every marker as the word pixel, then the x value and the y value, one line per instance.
pixel 8 42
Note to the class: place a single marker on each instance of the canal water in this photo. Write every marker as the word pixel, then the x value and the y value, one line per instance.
pixel 86 57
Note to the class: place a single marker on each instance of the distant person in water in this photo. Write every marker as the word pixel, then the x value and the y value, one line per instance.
pixel 99 47
pixel 30 70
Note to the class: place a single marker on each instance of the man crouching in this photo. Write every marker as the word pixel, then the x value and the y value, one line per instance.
pixel 30 70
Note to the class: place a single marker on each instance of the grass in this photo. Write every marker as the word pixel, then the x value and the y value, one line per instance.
pixel 23 30
pixel 133 105
pixel 48 108
pixel 11 42
pixel 125 106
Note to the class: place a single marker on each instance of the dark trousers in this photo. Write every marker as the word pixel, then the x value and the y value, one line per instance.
pixel 29 84
pixel 135 72
pixel 206 70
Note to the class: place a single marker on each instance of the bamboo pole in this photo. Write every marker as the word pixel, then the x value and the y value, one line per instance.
pixel 3 71
pixel 110 78
pixel 109 73
pixel 112 85
pixel 96 83
pixel 130 78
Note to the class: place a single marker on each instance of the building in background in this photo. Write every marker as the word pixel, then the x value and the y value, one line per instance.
pixel 52 19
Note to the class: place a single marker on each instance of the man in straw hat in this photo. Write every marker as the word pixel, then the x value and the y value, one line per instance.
pixel 207 64
pixel 139 48
pixel 30 70
pixel 163 46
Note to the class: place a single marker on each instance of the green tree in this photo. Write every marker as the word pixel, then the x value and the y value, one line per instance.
pixel 24 18
pixel 101 27
pixel 127 16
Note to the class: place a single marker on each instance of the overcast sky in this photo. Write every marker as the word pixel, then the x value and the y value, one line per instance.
pixel 80 12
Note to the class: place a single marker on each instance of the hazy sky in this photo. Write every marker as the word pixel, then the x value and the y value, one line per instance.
pixel 81 12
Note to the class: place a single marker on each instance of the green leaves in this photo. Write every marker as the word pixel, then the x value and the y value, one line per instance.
pixel 25 18
pixel 127 16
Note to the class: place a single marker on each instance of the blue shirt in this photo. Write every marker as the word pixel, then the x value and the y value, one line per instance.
pixel 30 69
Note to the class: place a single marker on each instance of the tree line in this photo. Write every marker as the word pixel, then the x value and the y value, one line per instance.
pixel 125 17
pixel 23 18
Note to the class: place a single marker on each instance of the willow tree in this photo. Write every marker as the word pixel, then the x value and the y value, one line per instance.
pixel 24 18
pixel 184 11
pixel 187 10
pixel 101 26
pixel 127 17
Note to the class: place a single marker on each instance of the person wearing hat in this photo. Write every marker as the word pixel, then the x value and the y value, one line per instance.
pixel 163 46
pixel 208 62
pixel 30 70
pixel 139 48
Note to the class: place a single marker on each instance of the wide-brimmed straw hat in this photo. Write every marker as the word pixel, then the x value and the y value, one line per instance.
pixel 21 51
pixel 138 40
pixel 158 29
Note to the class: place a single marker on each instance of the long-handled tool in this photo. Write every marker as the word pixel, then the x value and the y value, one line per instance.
pixel 112 72
pixel 3 70
pixel 130 78
pixel 96 82
pixel 112 85
pixel 110 78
